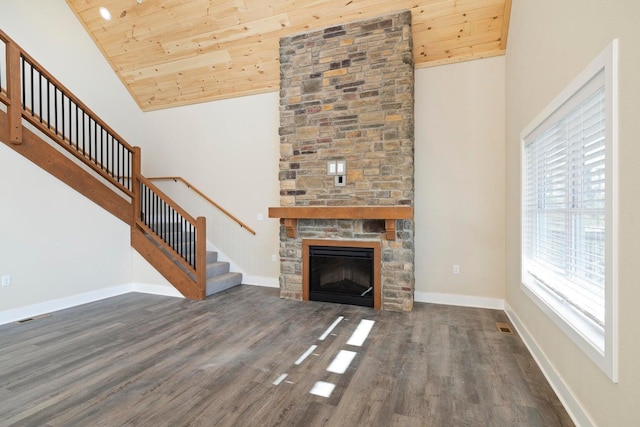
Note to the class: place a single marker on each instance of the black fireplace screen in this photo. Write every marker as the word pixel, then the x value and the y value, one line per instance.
pixel 341 274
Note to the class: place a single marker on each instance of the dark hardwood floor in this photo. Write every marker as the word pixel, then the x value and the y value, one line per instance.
pixel 158 361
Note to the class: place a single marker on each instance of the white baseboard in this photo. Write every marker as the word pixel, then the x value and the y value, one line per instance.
pixel 46 307
pixel 268 282
pixel 460 300
pixel 38 309
pixel 147 288
pixel 573 406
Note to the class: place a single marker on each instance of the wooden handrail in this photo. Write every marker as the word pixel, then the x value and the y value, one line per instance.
pixel 204 196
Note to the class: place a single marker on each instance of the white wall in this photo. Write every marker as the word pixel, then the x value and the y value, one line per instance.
pixel 460 183
pixel 54 242
pixel 229 150
pixel 550 42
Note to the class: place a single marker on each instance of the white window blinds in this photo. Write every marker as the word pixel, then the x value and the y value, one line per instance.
pixel 564 207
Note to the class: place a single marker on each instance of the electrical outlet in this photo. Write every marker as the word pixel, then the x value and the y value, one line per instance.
pixel 456 269
pixel 274 258
pixel 6 281
pixel 260 217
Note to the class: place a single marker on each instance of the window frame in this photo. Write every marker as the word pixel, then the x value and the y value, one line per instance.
pixel 601 348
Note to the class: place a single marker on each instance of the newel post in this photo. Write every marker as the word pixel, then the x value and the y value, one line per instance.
pixel 201 255
pixel 14 109
pixel 135 184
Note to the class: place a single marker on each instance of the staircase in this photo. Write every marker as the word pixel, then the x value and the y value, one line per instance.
pixel 102 166
pixel 218 275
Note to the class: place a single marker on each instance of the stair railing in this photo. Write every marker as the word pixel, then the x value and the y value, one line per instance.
pixel 176 232
pixel 33 94
pixel 52 109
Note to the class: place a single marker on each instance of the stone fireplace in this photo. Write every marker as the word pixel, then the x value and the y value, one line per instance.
pixel 346 151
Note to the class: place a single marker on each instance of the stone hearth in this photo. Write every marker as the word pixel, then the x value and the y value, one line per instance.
pixel 347 96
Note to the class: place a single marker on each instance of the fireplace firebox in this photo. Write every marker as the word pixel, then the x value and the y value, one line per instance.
pixel 345 272
pixel 341 274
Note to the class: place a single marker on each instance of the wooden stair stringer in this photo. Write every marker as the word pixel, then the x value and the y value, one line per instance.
pixel 165 266
pixel 66 170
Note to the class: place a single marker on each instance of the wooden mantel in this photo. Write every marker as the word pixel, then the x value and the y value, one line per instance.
pixel 389 214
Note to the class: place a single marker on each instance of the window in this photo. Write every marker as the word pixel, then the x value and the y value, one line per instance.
pixel 569 195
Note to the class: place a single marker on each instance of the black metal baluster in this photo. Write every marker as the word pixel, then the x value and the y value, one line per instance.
pixel 32 95
pixel 162 214
pixel 84 130
pixel 48 103
pixel 169 227
pixel 106 149
pixel 148 207
pixel 89 120
pixel 163 208
pixel 170 238
pixel 176 226
pixel 185 256
pixel 40 97
pixel 155 212
pixel 192 249
pixel 55 109
pixel 70 121
pixel 62 97
pixel 118 162
pixel 178 236
pixel 103 145
pixel 143 202
pixel 70 115
pixel 111 168
pixel 159 217
pixel 151 210
pixel 77 128
pixel 193 245
pixel 99 147
pixel 183 238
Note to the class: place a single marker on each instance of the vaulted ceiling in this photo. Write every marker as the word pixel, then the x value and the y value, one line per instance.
pixel 178 52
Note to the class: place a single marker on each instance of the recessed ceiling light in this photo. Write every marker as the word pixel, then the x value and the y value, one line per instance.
pixel 104 12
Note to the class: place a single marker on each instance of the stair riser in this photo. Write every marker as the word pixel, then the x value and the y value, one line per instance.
pixel 223 282
pixel 217 268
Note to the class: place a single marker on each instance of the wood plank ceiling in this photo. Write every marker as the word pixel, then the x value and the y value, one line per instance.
pixel 177 52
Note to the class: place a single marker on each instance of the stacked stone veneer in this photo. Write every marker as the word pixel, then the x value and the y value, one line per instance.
pixel 347 94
